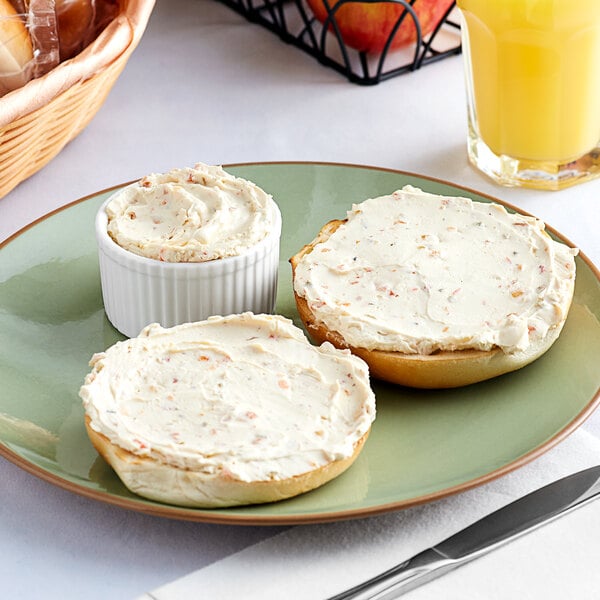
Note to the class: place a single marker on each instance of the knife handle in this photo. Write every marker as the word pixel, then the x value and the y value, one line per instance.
pixel 422 567
pixel 527 513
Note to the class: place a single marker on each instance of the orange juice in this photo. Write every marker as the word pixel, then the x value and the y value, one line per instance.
pixel 535 76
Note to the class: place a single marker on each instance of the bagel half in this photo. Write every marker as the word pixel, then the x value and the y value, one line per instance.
pixel 230 411
pixel 440 369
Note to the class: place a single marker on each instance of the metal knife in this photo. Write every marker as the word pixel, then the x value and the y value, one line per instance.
pixel 509 522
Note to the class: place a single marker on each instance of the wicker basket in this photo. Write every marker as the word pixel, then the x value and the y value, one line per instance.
pixel 38 120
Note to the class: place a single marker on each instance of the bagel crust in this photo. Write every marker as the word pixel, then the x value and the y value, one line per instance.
pixel 166 483
pixel 440 368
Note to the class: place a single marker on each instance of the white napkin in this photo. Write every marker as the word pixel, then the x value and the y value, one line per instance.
pixel 316 561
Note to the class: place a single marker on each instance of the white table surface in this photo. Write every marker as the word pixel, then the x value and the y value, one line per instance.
pixel 205 85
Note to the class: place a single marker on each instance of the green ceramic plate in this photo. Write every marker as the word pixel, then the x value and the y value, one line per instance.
pixel 423 445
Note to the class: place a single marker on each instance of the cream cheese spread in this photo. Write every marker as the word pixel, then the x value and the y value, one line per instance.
pixel 245 396
pixel 417 273
pixel 191 215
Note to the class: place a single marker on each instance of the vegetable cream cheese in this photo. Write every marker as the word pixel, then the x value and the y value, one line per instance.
pixel 417 273
pixel 191 215
pixel 244 395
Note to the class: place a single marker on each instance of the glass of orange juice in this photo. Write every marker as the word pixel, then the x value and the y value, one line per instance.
pixel 533 90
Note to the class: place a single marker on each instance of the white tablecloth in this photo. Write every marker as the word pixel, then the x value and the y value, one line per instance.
pixel 205 85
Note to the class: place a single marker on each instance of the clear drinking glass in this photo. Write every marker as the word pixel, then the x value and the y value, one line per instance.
pixel 533 90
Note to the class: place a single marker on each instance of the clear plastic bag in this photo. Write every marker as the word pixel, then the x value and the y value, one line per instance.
pixel 36 35
pixel 16 50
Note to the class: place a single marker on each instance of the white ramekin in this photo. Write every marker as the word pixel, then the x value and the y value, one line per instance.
pixel 138 291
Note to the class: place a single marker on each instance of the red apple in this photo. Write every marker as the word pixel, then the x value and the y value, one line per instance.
pixel 366 26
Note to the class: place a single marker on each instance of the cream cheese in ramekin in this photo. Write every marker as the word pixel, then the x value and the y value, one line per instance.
pixel 245 395
pixel 415 273
pixel 190 215
pixel 186 245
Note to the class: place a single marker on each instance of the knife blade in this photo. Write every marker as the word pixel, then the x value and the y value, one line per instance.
pixel 496 529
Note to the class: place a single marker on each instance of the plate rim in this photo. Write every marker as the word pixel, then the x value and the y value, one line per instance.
pixel 210 516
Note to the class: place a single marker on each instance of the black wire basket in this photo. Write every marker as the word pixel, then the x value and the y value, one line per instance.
pixel 294 22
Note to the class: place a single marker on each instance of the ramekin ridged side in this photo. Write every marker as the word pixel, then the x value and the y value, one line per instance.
pixel 137 291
